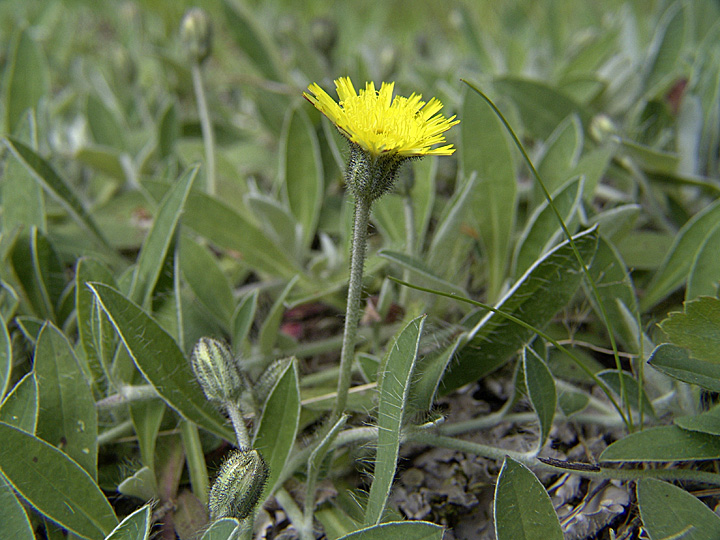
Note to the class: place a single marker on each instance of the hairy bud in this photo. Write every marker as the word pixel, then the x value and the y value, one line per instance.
pixel 216 370
pixel 196 34
pixel 239 485
pixel 267 380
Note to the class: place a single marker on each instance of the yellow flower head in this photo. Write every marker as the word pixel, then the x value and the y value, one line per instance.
pixel 402 127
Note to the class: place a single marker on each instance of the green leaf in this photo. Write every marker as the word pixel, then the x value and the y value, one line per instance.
pixel 543 230
pixel 668 511
pixel 664 443
pixel 522 509
pixel 103 159
pixel 26 78
pixel 541 106
pixel 39 271
pixel 141 485
pixel 229 229
pixel 447 246
pixel 676 266
pixel 45 175
pixel 105 127
pixel 644 250
pixel 562 152
pixel 134 527
pixel 676 362
pixel 404 530
pixel 14 521
pixel 393 390
pixel 541 391
pixel 485 150
pixel 203 274
pixel 54 484
pixel 23 200
pixel 665 50
pixel 268 333
pixel 572 401
pixel 697 328
pixel 706 422
pixel 146 418
pixel 650 159
pixel 429 372
pixel 545 288
pixel 253 40
pixel 610 377
pixel 242 320
pixel 88 318
pixel 423 196
pixel 67 414
pixel 278 425
pixel 6 360
pixel 222 529
pixel 302 171
pixel 157 243
pixel 592 165
pixel 158 357
pixel 617 222
pixel 421 271
pixel 20 407
pixel 168 130
pixel 385 216
pixel 614 286
pixel 705 271
pixel 279 223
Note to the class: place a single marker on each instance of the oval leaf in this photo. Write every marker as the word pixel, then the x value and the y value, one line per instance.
pixel 157 243
pixel 545 288
pixel 160 360
pixel 46 176
pixel 675 267
pixel 522 509
pixel 676 362
pixel 20 408
pixel 278 425
pixel 485 151
pixel 541 390
pixel 668 511
pixel 664 443
pixel 302 171
pixel 134 527
pixel 54 484
pixel 393 390
pixel 697 328
pixel 222 529
pixel 14 521
pixel 67 415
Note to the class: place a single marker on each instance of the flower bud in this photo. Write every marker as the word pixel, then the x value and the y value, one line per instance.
pixel 196 34
pixel 267 380
pixel 602 128
pixel 216 371
pixel 239 485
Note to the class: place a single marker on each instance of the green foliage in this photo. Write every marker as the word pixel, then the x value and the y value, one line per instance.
pixel 522 507
pixel 601 123
pixel 669 511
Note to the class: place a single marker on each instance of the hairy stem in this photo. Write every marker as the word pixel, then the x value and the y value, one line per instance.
pixel 352 314
pixel 238 422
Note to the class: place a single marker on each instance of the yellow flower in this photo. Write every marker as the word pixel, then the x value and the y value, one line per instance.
pixel 383 126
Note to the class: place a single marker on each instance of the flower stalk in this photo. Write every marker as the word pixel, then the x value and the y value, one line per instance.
pixel 196 35
pixel 353 310
pixel 382 132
